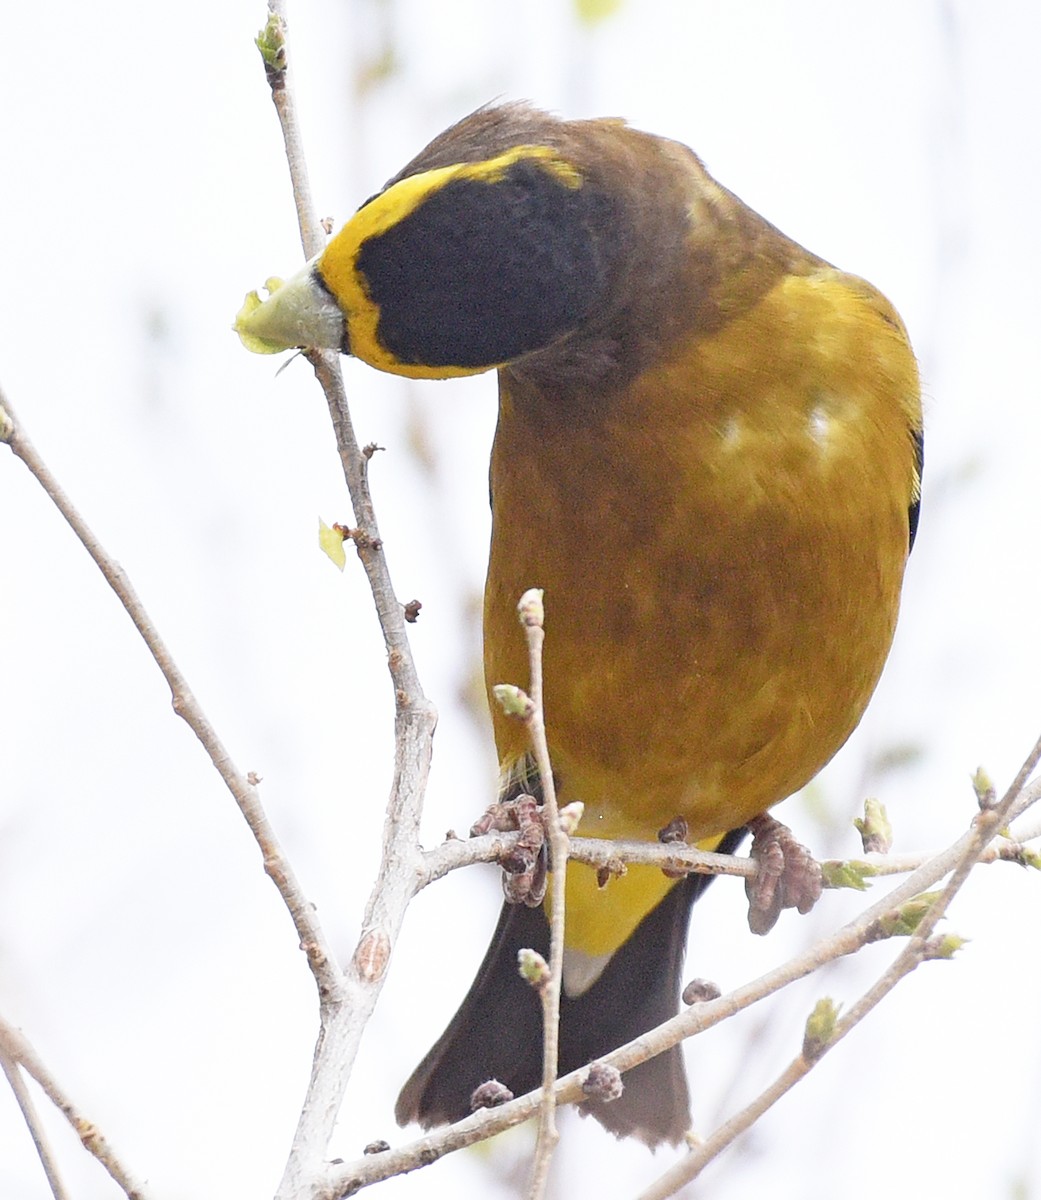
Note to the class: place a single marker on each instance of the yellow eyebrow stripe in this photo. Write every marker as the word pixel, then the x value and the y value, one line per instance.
pixel 338 263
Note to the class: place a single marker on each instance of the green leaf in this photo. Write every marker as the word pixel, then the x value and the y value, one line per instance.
pixel 331 543
pixel 252 302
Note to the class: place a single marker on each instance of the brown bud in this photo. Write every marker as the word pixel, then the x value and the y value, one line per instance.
pixel 603 1082
pixel 490 1095
pixel 700 990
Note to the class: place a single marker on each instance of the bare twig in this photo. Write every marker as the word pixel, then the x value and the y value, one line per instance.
pixel 15 1052
pixel 616 856
pixel 350 1177
pixel 672 1180
pixel 273 45
pixel 245 792
pixel 344 1018
pixel 610 856
pixel 36 1131
pixel 532 615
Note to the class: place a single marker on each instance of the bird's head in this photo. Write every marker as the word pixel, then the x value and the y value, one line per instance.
pixel 451 270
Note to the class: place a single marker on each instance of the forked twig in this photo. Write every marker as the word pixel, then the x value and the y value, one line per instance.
pixel 920 948
pixel 16 1052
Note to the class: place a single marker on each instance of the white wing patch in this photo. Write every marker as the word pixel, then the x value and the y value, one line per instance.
pixel 581 971
pixel 819 425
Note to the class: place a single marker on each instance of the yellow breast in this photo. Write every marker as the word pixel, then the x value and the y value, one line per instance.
pixel 721 547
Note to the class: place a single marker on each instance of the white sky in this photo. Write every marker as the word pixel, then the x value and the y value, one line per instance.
pixel 141 947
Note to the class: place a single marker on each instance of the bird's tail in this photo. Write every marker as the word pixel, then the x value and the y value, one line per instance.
pixel 497 1032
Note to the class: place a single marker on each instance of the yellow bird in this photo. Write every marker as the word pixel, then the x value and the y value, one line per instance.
pixel 708 454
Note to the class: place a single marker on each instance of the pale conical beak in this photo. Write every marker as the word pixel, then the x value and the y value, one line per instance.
pixel 299 312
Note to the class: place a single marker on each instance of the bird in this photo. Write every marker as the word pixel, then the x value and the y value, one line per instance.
pixel 708 455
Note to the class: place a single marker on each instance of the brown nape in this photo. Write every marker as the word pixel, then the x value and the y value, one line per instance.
pixel 497 1032
pixel 489 131
pixel 662 207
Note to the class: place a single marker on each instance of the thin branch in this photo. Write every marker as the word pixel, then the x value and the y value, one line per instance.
pixel 599 853
pixel 672 856
pixel 275 53
pixel 346 1179
pixel 672 1180
pixel 16 1050
pixel 350 1177
pixel 344 1019
pixel 532 615
pixel 456 852
pixel 1027 797
pixel 917 950
pixel 309 930
pixel 36 1131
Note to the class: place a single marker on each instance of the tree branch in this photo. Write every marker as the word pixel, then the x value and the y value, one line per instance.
pixel 532 617
pixel 16 1051
pixel 243 788
pixel 344 1017
pixel 599 853
pixel 869 926
pixel 36 1131
pixel 919 949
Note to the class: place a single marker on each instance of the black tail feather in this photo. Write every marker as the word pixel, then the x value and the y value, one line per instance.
pixel 497 1032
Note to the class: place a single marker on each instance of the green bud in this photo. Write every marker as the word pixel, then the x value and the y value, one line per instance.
pixel 904 921
pixel 983 786
pixel 1030 858
pixel 945 945
pixel 532 967
pixel 514 701
pixel 876 833
pixel 530 608
pixel 570 815
pixel 850 873
pixel 271 42
pixel 820 1029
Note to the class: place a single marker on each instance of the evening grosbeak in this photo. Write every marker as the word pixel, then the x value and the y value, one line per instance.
pixel 708 455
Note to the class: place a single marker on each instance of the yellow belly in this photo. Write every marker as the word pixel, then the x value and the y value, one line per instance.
pixel 721 547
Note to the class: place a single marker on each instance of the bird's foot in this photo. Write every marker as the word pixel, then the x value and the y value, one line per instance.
pixel 524 863
pixel 787 875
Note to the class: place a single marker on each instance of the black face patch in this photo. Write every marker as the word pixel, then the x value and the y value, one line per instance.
pixel 480 273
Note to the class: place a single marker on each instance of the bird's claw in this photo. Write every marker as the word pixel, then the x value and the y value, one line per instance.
pixel 787 875
pixel 524 864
